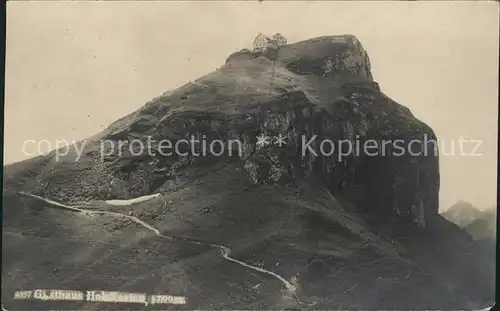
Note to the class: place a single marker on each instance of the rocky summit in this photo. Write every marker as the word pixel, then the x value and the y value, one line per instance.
pixel 291 209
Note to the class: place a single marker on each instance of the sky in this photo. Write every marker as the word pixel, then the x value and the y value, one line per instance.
pixel 72 68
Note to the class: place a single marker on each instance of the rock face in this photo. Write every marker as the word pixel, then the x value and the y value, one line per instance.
pixel 319 94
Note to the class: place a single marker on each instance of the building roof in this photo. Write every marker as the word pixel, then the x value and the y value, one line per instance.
pixel 270 40
pixel 261 35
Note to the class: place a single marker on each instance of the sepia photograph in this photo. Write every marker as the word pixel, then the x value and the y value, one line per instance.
pixel 250 155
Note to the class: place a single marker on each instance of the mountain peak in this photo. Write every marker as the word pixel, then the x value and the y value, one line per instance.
pixel 461 213
pixel 320 87
pixel 340 57
pixel 293 156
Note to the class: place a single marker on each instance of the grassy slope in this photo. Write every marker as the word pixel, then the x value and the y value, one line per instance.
pixel 299 232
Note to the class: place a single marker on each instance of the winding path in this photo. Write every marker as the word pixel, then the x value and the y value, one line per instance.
pixel 225 251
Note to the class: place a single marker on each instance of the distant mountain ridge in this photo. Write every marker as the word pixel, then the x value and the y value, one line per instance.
pixel 484 226
pixel 480 224
pixel 461 213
